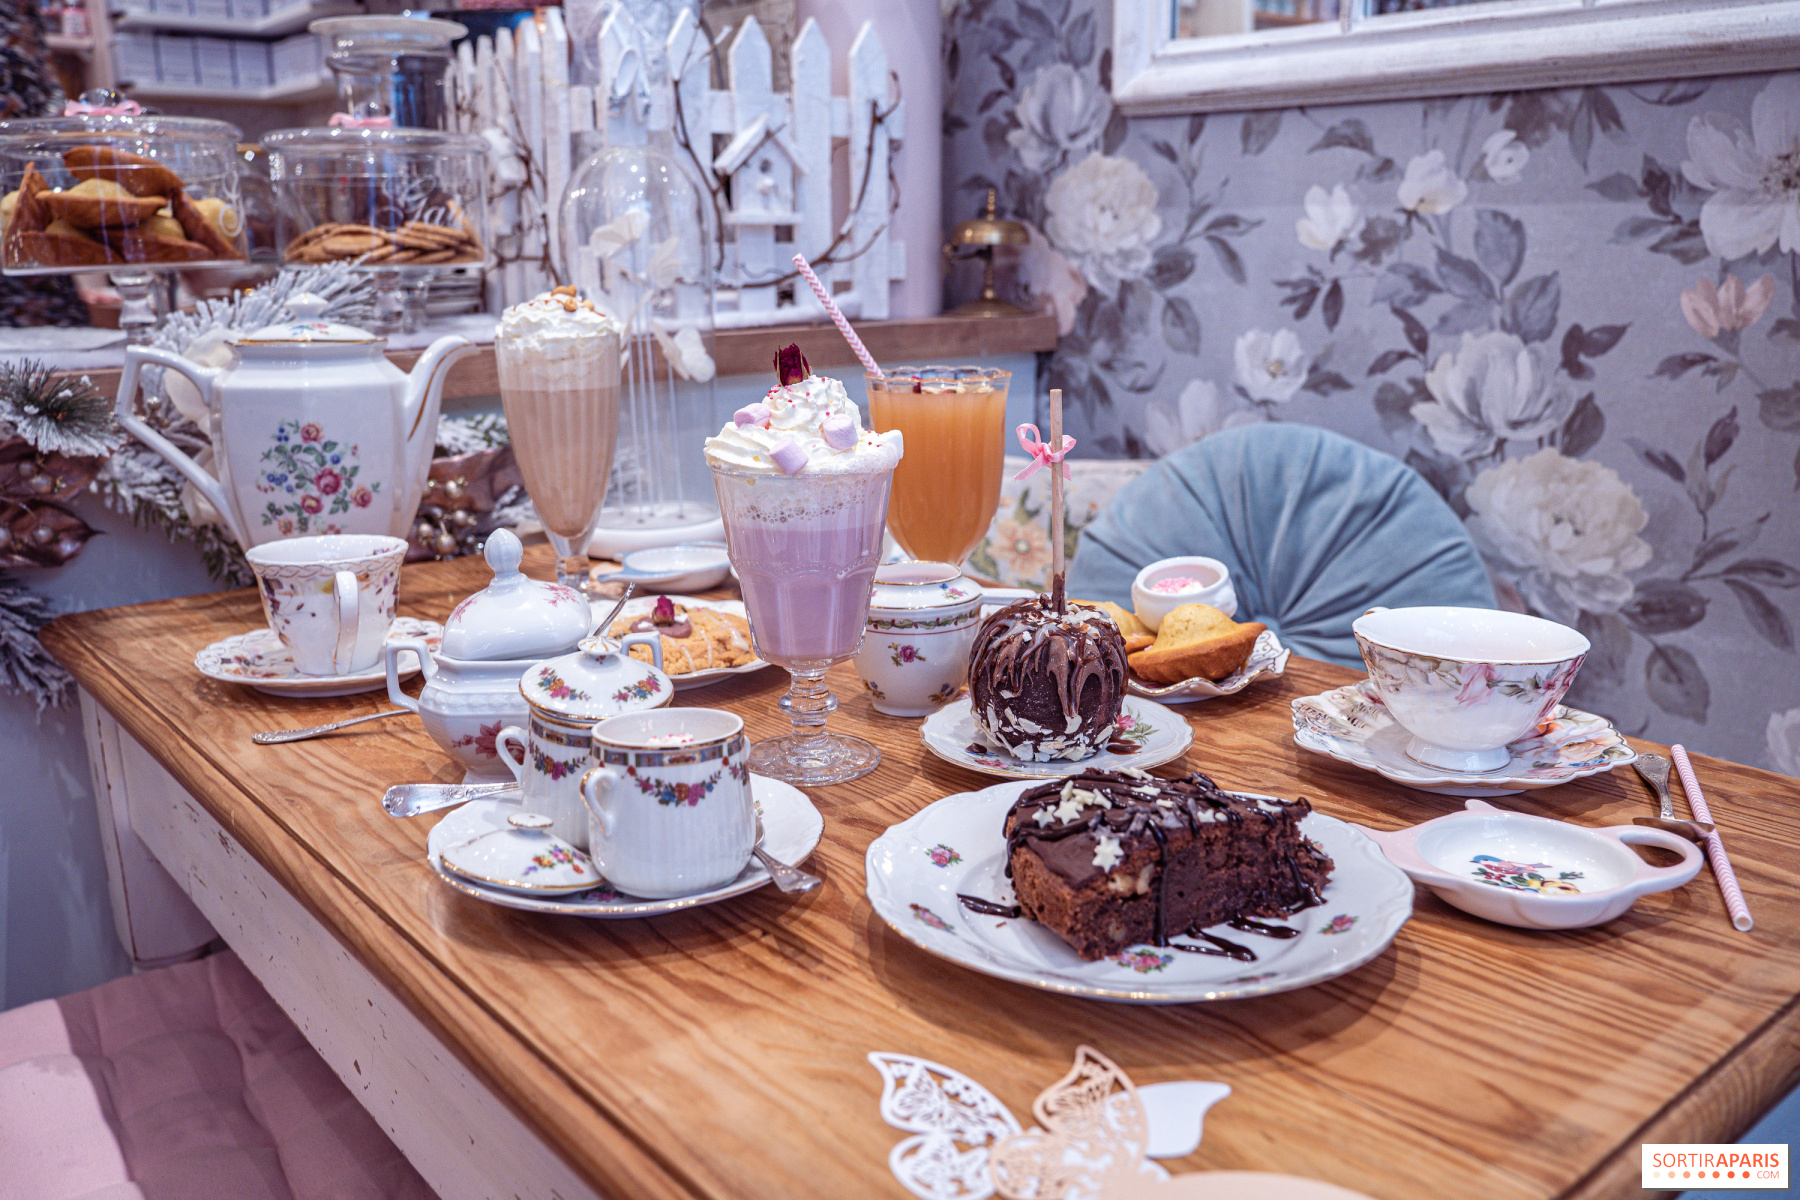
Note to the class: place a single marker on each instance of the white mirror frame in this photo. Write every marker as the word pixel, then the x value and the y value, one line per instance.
pixel 1444 51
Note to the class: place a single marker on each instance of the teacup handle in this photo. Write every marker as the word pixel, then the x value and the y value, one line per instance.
pixel 643 638
pixel 1657 879
pixel 391 651
pixel 503 740
pixel 343 590
pixel 604 777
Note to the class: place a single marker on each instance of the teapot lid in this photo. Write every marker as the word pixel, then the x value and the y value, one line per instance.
pixel 515 616
pixel 910 586
pixel 308 326
pixel 595 682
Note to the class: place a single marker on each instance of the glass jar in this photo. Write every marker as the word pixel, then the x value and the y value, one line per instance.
pixel 403 203
pixel 394 67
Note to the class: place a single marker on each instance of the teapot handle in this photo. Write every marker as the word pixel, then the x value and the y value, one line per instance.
pixel 125 410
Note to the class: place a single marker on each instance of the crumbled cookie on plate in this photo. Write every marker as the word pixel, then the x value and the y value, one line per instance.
pixel 693 639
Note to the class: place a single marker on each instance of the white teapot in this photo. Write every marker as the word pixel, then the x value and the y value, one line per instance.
pixel 471 687
pixel 316 431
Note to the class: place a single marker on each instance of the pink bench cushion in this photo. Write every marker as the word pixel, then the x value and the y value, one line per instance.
pixel 209 1092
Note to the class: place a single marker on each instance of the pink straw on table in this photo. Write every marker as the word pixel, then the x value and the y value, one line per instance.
pixel 837 317
pixel 1715 848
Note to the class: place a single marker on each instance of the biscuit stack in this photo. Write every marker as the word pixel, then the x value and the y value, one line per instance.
pixel 414 244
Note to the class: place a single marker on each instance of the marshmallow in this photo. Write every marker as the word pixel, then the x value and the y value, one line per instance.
pixel 751 414
pixel 789 455
pixel 838 432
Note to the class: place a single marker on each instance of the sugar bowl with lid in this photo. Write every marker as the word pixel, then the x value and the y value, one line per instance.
pixel 566 696
pixel 471 687
pixel 915 650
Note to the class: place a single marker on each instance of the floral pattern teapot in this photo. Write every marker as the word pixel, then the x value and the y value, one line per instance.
pixel 313 429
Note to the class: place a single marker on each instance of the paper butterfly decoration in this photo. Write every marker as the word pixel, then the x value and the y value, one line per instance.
pixel 1095 1130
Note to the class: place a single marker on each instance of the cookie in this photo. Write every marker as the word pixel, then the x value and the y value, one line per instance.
pixel 716 640
pixel 59 245
pixel 199 229
pixel 99 204
pixel 1127 621
pixel 1196 641
pixel 350 245
pixel 137 174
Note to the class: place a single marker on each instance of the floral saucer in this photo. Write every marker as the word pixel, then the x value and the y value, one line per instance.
pixel 258 659
pixel 1160 734
pixel 1267 658
pixel 640 606
pixel 1352 725
pixel 953 846
pixel 791 831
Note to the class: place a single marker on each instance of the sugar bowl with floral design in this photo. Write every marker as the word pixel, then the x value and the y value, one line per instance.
pixel 566 697
pixel 915 649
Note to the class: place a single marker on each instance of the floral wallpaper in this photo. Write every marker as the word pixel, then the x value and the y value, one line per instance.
pixel 1575 312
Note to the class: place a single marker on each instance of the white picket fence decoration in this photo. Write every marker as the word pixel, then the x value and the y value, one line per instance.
pixel 516 92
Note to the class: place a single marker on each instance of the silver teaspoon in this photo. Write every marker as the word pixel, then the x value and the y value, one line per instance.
pixel 1654 770
pixel 272 737
pixel 411 799
pixel 788 879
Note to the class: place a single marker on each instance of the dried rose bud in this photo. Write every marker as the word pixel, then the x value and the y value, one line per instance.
pixel 664 613
pixel 790 365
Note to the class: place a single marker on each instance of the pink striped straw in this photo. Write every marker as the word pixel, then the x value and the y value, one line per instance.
pixel 1715 848
pixel 837 317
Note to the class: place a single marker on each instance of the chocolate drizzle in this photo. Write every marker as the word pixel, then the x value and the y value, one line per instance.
pixel 1047 685
pixel 1068 823
pixel 988 908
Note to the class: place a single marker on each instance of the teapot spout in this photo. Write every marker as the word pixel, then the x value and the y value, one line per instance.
pixel 424 393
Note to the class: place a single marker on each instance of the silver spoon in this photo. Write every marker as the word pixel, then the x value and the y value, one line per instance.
pixel 411 799
pixel 605 622
pixel 788 879
pixel 272 737
pixel 1654 769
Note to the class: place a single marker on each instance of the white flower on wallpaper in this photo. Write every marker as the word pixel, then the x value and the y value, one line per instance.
pixel 1047 275
pixel 1061 114
pixel 1330 217
pixel 1102 214
pixel 1492 387
pixel 1564 529
pixel 1503 157
pixel 1199 410
pixel 1270 366
pixel 1784 741
pixel 1753 175
pixel 1431 186
pixel 1727 308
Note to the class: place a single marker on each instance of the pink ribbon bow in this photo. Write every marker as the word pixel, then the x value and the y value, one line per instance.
pixel 124 108
pixel 346 121
pixel 1042 455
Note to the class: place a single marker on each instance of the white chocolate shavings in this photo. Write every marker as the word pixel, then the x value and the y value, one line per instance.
pixel 1107 852
pixel 1069 809
pixel 1074 723
pixel 1137 773
pixel 1044 818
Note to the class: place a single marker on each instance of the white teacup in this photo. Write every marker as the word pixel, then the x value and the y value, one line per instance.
pixel 1467 681
pixel 670 817
pixel 330 598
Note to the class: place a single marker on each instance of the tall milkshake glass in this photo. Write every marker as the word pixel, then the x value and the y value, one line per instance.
pixel 803 491
pixel 558 361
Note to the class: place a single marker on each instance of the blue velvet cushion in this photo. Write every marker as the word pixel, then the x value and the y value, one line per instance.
pixel 1316 529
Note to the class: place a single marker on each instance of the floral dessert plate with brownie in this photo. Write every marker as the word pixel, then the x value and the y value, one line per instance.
pixel 720 634
pixel 920 870
pixel 260 660
pixel 1146 735
pixel 1268 659
pixel 791 831
pixel 1352 725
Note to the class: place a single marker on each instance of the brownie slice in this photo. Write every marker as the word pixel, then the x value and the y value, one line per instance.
pixel 1107 860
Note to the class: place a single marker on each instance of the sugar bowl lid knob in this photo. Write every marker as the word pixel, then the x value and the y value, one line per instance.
pixel 504 553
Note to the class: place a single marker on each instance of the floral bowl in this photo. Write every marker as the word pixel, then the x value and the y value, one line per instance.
pixel 1533 872
pixel 1168 583
pixel 1466 681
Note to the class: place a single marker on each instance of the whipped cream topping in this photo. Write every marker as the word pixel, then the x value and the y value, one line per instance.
pixel 811 426
pixel 553 321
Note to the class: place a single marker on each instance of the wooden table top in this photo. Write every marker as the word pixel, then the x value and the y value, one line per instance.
pixel 720 1052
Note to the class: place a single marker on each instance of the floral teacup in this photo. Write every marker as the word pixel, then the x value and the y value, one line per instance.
pixel 915 651
pixel 330 598
pixel 669 801
pixel 1467 681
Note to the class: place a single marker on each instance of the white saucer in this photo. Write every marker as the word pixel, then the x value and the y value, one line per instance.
pixel 1352 725
pixel 1162 734
pixel 639 606
pixel 258 659
pixel 916 870
pixel 791 831
pixel 1268 658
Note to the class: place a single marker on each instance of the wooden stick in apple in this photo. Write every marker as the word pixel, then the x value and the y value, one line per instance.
pixel 1057 515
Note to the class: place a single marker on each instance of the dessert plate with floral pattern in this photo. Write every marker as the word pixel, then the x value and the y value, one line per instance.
pixel 791 831
pixel 953 846
pixel 258 659
pixel 640 606
pixel 1268 658
pixel 1352 725
pixel 1159 735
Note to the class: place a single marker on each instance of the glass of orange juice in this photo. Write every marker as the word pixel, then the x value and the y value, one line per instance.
pixel 948 484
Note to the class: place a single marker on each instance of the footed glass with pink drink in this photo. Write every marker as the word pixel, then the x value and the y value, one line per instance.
pixel 803 490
